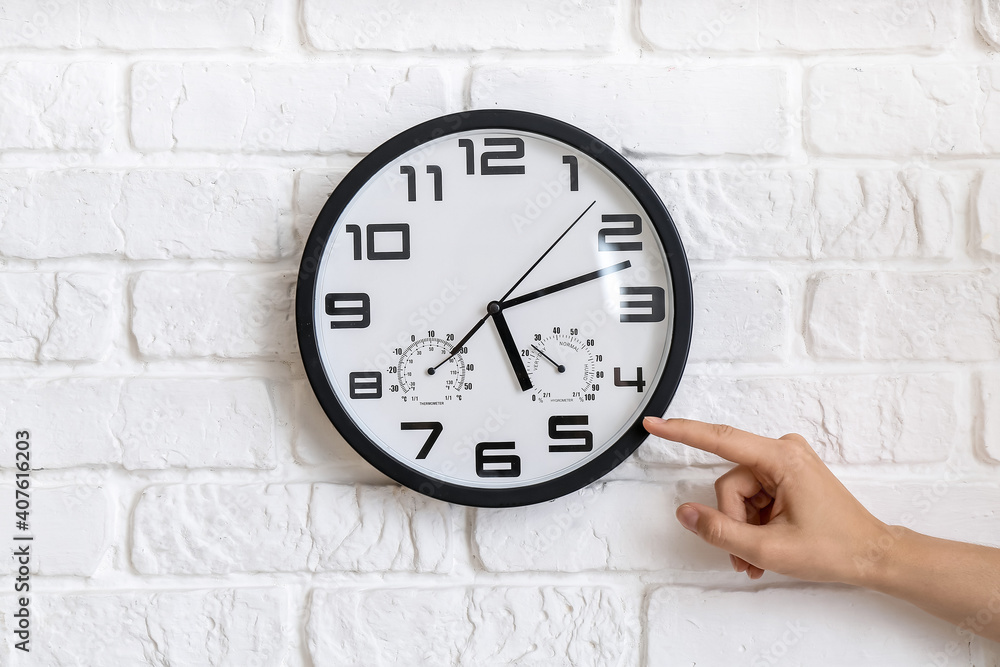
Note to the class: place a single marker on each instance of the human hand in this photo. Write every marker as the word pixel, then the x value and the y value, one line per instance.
pixel 780 508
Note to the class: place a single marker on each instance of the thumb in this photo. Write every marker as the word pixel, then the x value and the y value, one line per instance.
pixel 720 530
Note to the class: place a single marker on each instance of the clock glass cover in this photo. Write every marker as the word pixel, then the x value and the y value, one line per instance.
pixel 488 305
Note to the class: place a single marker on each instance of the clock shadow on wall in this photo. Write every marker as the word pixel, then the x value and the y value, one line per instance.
pixel 489 303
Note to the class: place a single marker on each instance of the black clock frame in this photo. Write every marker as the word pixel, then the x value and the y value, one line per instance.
pixel 498 119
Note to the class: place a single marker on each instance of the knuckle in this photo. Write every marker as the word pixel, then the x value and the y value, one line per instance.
pixel 715 531
pixel 723 430
pixel 794 437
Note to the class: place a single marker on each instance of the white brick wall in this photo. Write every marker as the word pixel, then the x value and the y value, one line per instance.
pixel 829 164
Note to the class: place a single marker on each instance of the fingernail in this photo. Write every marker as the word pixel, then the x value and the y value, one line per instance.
pixel 688 516
pixel 653 420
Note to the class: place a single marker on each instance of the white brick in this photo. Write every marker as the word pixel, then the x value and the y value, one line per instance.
pixel 988 21
pixel 219 214
pixel 988 212
pixel 215 529
pixel 739 316
pixel 795 626
pixel 154 24
pixel 811 25
pixel 241 626
pixel 71 528
pixel 138 24
pixel 817 25
pixel 56 106
pixel 713 25
pixel 312 190
pixel 876 315
pixel 945 506
pixel 927 109
pixel 225 213
pixel 69 421
pixel 213 313
pixel 378 529
pixel 847 419
pixel 86 307
pixel 989 107
pixel 606 526
pixel 672 111
pixel 198 423
pixel 478 626
pixel 397 26
pixel 65 316
pixel 297 108
pixel 47 24
pixel 990 407
pixel 26 313
pixel 58 214
pixel 811 214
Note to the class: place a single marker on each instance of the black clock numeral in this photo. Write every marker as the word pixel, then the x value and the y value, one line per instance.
pixel 638 382
pixel 574 172
pixel 487 169
pixel 355 231
pixel 435 429
pixel 655 305
pixel 602 236
pixel 570 420
pixel 411 181
pixel 401 228
pixel 356 315
pixel 435 171
pixel 511 463
pixel 470 155
pixel 516 154
pixel 401 249
pixel 365 384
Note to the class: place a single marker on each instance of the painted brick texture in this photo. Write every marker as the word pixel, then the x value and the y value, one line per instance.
pixel 829 165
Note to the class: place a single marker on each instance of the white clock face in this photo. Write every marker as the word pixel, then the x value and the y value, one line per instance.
pixel 492 309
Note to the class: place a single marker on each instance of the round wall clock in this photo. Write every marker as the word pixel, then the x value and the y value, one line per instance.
pixel 488 305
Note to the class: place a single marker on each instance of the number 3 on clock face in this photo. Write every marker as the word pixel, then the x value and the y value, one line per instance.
pixel 488 305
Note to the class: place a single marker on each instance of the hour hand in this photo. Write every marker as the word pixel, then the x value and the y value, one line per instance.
pixel 509 346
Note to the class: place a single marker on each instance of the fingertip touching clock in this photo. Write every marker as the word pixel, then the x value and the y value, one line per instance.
pixel 489 303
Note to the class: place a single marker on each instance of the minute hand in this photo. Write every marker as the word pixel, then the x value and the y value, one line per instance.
pixel 566 284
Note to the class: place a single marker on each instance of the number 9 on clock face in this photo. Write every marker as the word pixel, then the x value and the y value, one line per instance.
pixel 488 305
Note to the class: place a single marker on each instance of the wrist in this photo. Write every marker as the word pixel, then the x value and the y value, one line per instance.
pixel 878 557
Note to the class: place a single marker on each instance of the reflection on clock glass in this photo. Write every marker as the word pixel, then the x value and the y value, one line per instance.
pixel 562 363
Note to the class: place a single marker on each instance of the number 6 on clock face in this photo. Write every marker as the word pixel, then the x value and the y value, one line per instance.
pixel 488 305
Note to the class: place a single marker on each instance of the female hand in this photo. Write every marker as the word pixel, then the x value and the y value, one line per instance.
pixel 780 508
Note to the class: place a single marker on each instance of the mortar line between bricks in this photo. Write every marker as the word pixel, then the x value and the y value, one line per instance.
pixel 652 57
pixel 954 264
pixel 339 164
pixel 279 372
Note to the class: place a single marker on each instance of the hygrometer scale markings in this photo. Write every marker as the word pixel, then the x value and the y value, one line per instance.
pixel 563 368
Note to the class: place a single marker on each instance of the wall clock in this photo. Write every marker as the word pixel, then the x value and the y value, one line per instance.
pixel 489 303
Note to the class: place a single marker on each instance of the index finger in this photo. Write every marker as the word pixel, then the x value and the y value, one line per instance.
pixel 730 443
